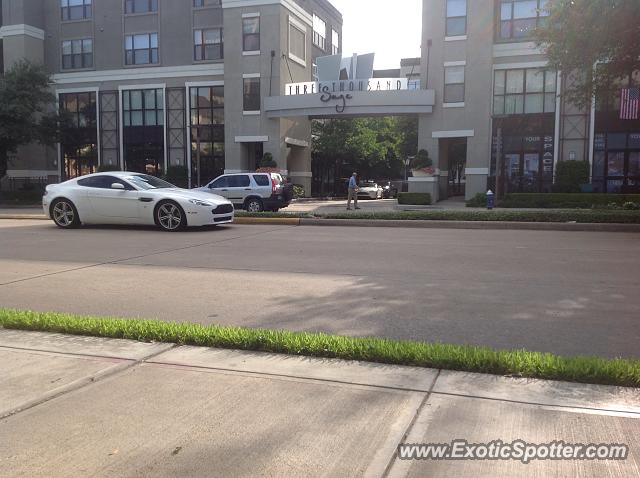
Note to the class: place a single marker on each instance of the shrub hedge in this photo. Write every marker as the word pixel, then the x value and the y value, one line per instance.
pixel 565 200
pixel 479 200
pixel 570 175
pixel 415 199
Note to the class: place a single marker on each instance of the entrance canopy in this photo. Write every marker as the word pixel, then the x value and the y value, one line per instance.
pixel 350 104
pixel 346 87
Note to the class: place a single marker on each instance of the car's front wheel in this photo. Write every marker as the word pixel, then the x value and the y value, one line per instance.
pixel 170 217
pixel 254 205
pixel 65 214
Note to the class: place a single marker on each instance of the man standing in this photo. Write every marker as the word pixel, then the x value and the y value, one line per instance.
pixel 353 192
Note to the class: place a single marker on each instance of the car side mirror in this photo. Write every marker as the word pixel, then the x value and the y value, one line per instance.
pixel 118 186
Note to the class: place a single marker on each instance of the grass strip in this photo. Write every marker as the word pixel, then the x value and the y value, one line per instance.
pixel 564 216
pixel 520 363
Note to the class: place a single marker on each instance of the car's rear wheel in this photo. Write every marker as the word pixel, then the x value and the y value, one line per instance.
pixel 65 214
pixel 170 217
pixel 254 205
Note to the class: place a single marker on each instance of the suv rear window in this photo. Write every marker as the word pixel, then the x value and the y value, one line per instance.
pixel 262 180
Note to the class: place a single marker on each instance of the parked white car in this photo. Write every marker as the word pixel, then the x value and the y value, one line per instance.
pixel 131 198
pixel 370 190
pixel 255 192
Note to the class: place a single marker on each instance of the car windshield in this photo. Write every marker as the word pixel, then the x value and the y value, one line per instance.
pixel 144 181
pixel 369 184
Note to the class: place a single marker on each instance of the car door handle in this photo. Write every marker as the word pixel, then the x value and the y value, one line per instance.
pixel 145 200
pixel 224 190
pixel 247 189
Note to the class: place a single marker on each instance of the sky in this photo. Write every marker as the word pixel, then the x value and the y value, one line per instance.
pixel 382 27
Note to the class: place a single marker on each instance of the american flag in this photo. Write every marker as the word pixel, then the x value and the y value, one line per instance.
pixel 630 104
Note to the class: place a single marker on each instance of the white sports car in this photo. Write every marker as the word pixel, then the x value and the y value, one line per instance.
pixel 370 190
pixel 132 198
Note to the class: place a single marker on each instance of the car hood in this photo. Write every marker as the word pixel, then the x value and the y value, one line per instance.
pixel 187 194
pixel 369 188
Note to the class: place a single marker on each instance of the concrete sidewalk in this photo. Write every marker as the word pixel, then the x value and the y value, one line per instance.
pixel 78 406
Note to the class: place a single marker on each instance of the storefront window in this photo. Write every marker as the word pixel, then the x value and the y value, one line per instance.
pixel 78 145
pixel 207 134
pixel 143 132
pixel 634 164
pixel 615 164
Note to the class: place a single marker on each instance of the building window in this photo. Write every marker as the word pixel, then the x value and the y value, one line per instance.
pixel 77 54
pixel 524 92
pixel 251 97
pixel 518 18
pixel 143 107
pixel 143 132
pixel 335 39
pixel 456 18
pixel 208 44
pixel 140 6
pixel 297 43
pixel 314 72
pixel 207 133
pixel 319 32
pixel 206 3
pixel 141 49
pixel 79 144
pixel 454 84
pixel 75 9
pixel 251 34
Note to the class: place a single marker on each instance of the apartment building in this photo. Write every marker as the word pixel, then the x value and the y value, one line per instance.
pixel 155 84
pixel 499 103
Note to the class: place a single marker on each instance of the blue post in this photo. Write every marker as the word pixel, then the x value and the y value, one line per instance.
pixel 490 200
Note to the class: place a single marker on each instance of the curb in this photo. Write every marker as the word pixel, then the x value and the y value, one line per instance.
pixel 478 225
pixel 273 221
pixel 34 217
pixel 410 224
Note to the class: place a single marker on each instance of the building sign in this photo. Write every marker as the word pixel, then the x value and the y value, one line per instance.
pixel 349 86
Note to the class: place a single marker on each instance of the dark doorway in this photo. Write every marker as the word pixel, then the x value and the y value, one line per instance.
pixel 457 155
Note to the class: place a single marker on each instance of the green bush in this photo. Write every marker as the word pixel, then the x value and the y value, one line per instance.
pixel 577 216
pixel 566 201
pixel 298 191
pixel 107 168
pixel 479 200
pixel 422 160
pixel 268 161
pixel 415 199
pixel 570 175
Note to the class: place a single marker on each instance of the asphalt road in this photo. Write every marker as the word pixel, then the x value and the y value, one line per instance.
pixel 563 292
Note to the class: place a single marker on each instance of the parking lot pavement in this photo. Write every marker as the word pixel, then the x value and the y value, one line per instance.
pixel 562 292
pixel 189 411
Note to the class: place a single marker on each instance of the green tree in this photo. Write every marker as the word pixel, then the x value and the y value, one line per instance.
pixel 371 146
pixel 26 110
pixel 408 130
pixel 582 33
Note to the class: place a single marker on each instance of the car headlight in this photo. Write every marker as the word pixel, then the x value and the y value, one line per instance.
pixel 197 202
